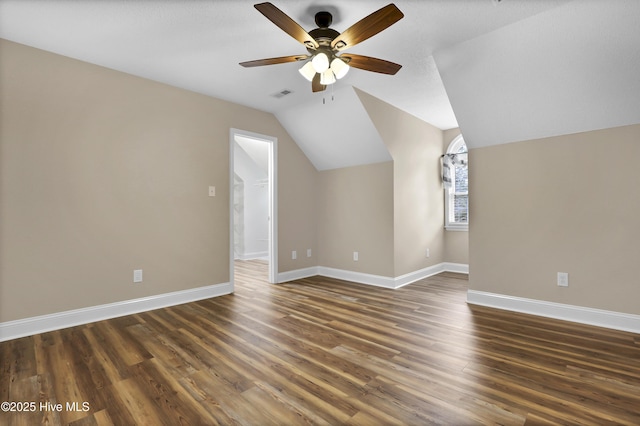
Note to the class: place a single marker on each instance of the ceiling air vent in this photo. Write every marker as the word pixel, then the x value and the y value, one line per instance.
pixel 282 93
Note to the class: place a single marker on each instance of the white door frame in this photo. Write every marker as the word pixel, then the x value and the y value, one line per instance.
pixel 273 200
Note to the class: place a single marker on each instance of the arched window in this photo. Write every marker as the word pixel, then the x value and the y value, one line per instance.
pixel 455 176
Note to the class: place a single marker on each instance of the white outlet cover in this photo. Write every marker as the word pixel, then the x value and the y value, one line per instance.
pixel 294 255
pixel 212 191
pixel 137 275
pixel 563 279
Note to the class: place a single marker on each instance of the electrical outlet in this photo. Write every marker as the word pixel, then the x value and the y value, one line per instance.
pixel 308 252
pixel 428 253
pixel 212 191
pixel 563 279
pixel 137 275
pixel 294 255
pixel 355 256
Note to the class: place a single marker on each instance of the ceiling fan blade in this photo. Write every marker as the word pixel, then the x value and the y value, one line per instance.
pixel 368 63
pixel 368 27
pixel 286 24
pixel 315 84
pixel 274 61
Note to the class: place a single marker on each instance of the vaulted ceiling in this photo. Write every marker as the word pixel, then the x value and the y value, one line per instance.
pixel 501 70
pixel 571 69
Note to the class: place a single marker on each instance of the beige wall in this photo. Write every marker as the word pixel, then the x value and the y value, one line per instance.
pixel 562 204
pixel 456 243
pixel 415 147
pixel 297 206
pixel 355 213
pixel 103 173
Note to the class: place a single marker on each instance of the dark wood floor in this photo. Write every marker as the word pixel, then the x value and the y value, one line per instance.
pixel 323 351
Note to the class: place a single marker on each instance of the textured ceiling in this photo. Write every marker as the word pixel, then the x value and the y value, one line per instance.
pixel 502 62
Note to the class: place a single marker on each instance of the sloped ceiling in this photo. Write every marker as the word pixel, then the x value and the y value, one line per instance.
pixel 257 150
pixel 571 69
pixel 197 44
pixel 512 69
pixel 337 132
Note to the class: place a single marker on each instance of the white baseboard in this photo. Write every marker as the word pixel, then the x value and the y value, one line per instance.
pixel 412 277
pixel 29 326
pixel 370 279
pixel 461 268
pixel 579 314
pixel 255 255
pixel 40 324
pixel 297 274
pixel 356 277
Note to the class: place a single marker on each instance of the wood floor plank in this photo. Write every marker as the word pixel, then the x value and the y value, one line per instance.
pixel 46 392
pixel 112 366
pixel 102 418
pixel 367 418
pixel 138 404
pixel 116 412
pixel 65 382
pixel 171 402
pixel 21 391
pixel 272 409
pixel 327 352
pixel 173 358
pixel 129 350
pixel 6 365
pixel 222 400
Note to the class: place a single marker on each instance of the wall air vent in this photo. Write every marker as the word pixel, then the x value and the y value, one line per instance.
pixel 282 93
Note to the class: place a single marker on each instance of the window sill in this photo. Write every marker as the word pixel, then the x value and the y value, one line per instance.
pixel 457 228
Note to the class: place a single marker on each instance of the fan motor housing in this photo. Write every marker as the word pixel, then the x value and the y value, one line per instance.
pixel 323 19
pixel 324 36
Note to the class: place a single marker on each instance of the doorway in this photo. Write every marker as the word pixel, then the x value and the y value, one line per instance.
pixel 253 200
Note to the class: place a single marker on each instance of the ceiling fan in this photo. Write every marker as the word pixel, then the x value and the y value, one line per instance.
pixel 323 64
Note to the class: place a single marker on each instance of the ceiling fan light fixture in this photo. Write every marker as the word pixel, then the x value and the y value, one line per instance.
pixel 339 67
pixel 327 78
pixel 308 71
pixel 320 62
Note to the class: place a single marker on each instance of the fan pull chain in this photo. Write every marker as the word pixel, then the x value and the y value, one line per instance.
pixel 332 98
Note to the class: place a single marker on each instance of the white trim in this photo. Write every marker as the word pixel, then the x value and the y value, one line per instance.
pixel 255 255
pixel 41 324
pixel 579 314
pixel 460 268
pixel 454 145
pixel 232 140
pixel 412 277
pixel 297 274
pixel 273 200
pixel 273 211
pixel 375 280
pixel 357 277
pixel 457 227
